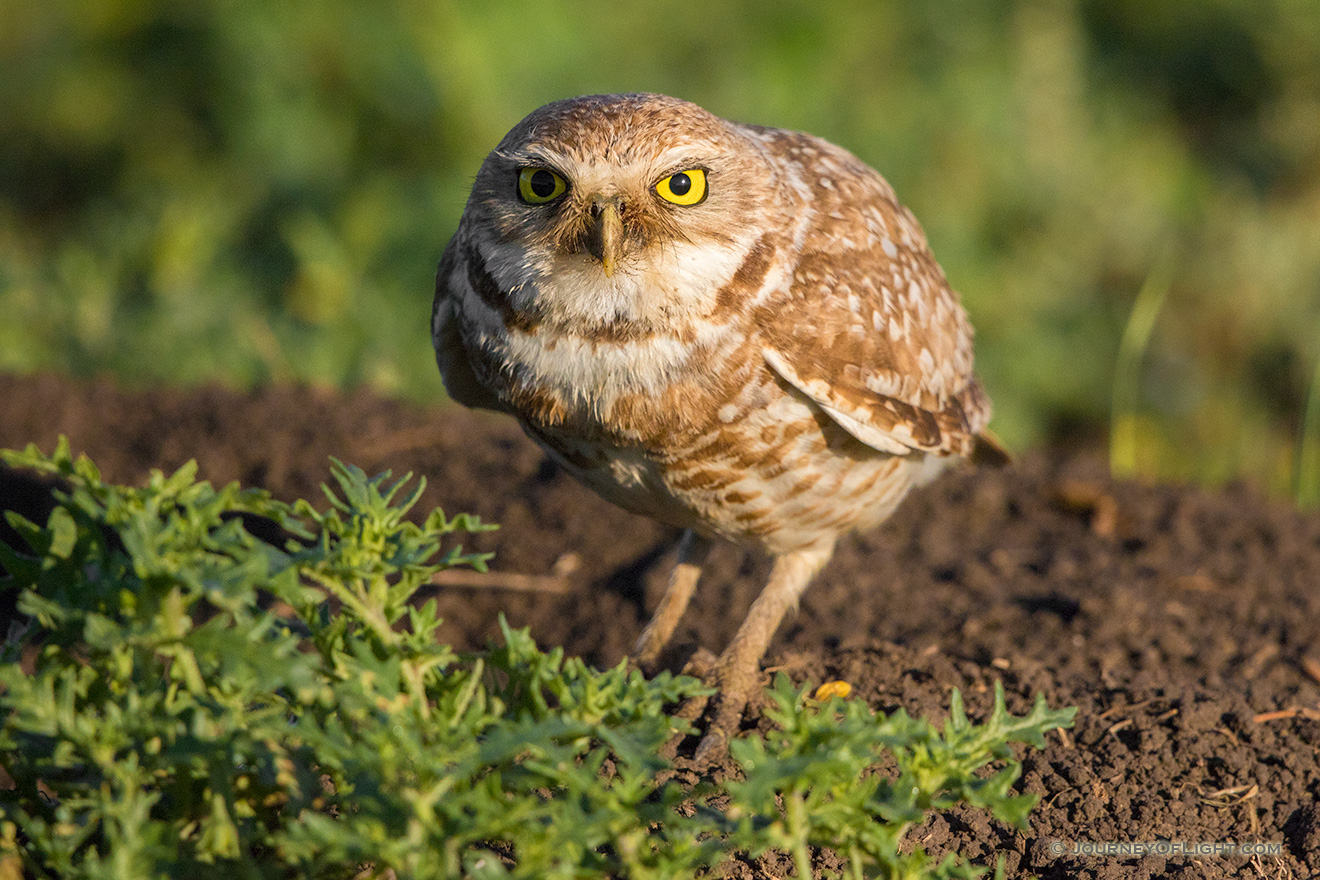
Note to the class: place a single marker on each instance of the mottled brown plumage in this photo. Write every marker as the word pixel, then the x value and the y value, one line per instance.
pixel 775 363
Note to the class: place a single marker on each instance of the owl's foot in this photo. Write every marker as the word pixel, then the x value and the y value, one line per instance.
pixel 736 675
pixel 702 665
pixel 699 665
pixel 725 717
pixel 717 717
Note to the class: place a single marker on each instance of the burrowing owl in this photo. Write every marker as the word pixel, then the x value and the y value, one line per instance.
pixel 734 329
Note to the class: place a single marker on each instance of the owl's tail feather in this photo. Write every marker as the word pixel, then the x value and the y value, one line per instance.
pixel 989 451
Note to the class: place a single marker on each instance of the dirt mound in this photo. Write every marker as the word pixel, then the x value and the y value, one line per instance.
pixel 1184 625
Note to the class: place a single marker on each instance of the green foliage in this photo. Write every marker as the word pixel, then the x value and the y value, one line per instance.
pixel 817 765
pixel 201 703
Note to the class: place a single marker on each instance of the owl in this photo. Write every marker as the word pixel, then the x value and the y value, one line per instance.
pixel 735 330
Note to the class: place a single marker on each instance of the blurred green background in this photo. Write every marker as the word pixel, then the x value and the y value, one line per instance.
pixel 249 191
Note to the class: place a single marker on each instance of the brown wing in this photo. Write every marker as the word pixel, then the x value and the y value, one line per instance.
pixel 450 355
pixel 869 328
pixel 887 423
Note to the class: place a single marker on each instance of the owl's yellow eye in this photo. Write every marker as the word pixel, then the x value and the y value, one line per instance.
pixel 537 186
pixel 684 188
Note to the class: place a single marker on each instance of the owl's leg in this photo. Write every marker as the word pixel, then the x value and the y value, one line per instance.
pixel 737 673
pixel 692 552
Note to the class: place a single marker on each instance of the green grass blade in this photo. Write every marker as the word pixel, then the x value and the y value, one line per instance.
pixel 1308 448
pixel 1127 370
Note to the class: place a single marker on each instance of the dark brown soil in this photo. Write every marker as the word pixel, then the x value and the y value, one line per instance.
pixel 1184 624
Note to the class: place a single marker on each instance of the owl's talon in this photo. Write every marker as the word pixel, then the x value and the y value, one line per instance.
pixel 635 665
pixel 726 715
pixel 717 719
pixel 701 664
pixel 714 746
pixel 692 710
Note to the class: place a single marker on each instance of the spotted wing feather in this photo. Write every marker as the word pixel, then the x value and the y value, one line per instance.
pixel 869 328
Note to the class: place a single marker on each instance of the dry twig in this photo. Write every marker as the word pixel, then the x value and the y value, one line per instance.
pixel 465 578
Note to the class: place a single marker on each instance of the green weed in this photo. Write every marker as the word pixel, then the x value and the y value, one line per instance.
pixel 188 700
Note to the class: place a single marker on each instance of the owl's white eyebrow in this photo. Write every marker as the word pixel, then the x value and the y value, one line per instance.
pixel 680 159
pixel 683 166
pixel 532 157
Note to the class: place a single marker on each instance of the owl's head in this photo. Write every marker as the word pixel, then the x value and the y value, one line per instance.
pixel 625 201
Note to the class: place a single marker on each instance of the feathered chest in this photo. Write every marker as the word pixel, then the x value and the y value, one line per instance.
pixel 633 364
pixel 656 391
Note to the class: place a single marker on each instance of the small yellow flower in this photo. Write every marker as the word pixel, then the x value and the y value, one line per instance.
pixel 829 689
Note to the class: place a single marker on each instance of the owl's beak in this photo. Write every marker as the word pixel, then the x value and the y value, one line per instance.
pixel 605 237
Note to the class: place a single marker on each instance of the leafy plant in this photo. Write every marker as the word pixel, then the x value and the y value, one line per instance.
pixel 817 764
pixel 198 702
